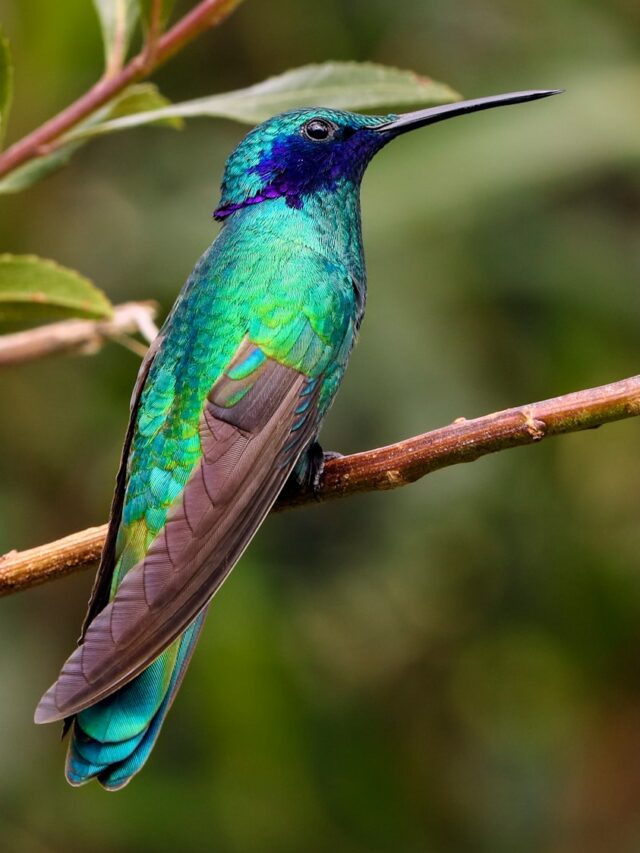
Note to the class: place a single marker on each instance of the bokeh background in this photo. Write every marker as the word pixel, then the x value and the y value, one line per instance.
pixel 454 666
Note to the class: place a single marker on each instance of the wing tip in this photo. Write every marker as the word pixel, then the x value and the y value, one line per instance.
pixel 47 710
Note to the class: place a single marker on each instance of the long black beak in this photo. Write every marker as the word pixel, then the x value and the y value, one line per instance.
pixel 411 121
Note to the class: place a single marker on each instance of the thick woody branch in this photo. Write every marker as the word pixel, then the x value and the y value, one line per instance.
pixel 374 470
pixel 86 336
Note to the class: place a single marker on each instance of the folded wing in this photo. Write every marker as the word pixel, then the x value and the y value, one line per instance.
pixel 257 419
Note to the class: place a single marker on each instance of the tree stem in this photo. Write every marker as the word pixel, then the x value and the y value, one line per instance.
pixel 85 336
pixel 375 470
pixel 207 13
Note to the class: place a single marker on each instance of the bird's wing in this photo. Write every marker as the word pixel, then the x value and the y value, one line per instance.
pixel 102 584
pixel 256 420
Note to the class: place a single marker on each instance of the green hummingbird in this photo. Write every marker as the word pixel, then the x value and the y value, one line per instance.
pixel 227 406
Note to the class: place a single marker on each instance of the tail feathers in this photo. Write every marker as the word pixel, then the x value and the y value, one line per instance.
pixel 112 740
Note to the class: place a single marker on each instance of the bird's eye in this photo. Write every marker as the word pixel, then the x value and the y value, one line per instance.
pixel 319 130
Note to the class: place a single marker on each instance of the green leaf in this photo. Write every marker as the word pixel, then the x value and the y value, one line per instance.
pixel 346 85
pixel 143 96
pixel 34 290
pixel 117 20
pixel 342 85
pixel 6 83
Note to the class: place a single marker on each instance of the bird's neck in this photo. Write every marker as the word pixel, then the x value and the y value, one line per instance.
pixel 327 222
pixel 333 218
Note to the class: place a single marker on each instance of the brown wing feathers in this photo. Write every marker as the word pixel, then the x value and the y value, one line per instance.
pixel 247 456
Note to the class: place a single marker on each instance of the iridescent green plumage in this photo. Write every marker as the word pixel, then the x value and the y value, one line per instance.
pixel 284 277
pixel 228 404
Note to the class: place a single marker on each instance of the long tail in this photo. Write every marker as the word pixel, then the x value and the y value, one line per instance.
pixel 111 741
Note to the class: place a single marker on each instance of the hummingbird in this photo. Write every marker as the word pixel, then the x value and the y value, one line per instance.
pixel 226 409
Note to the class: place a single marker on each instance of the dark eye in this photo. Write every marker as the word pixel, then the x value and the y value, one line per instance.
pixel 319 130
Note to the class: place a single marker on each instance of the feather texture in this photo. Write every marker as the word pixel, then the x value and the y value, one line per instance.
pixel 230 396
pixel 248 450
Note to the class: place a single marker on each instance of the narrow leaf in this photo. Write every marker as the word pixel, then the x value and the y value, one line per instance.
pixel 117 20
pixel 6 83
pixel 141 97
pixel 342 85
pixel 34 290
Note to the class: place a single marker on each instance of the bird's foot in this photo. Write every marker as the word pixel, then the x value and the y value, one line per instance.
pixel 309 468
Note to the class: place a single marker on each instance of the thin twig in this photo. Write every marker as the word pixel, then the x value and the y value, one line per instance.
pixel 86 336
pixel 208 13
pixel 374 470
pixel 153 32
pixel 21 570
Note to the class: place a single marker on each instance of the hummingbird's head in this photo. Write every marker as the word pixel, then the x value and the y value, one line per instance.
pixel 298 153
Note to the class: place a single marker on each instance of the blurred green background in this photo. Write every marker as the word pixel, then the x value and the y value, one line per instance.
pixel 450 667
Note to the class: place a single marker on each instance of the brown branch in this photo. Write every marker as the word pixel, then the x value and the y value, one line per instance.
pixel 207 13
pixel 374 470
pixel 23 569
pixel 86 336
